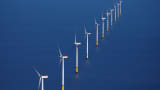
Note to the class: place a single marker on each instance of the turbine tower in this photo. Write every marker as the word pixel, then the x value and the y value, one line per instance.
pixel 120 5
pixel 108 21
pixel 41 79
pixel 62 61
pixel 115 10
pixel 103 18
pixel 77 44
pixel 111 16
pixel 87 34
pixel 96 32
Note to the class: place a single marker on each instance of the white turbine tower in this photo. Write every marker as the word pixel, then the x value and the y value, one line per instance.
pixel 108 21
pixel 87 33
pixel 41 79
pixel 62 61
pixel 115 10
pixel 112 16
pixel 77 44
pixel 103 18
pixel 120 5
pixel 96 32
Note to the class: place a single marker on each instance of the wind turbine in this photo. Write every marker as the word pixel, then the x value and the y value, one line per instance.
pixel 96 32
pixel 62 61
pixel 41 79
pixel 87 33
pixel 107 21
pixel 111 16
pixel 115 10
pixel 120 5
pixel 77 44
pixel 103 18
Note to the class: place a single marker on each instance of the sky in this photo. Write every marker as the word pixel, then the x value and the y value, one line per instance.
pixel 31 31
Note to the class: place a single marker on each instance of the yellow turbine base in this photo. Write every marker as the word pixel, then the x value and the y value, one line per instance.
pixel 96 43
pixel 76 69
pixel 87 56
pixel 111 24
pixel 102 36
pixel 62 87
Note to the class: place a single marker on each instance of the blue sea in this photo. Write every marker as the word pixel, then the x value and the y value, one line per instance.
pixel 31 31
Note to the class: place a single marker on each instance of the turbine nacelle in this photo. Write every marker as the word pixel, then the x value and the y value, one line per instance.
pixel 87 33
pixel 41 76
pixel 96 22
pixel 45 76
pixel 65 56
pixel 108 14
pixel 61 56
pixel 103 18
pixel 77 43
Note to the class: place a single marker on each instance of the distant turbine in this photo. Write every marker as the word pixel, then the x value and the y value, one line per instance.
pixel 87 33
pixel 108 21
pixel 41 79
pixel 120 5
pixel 111 16
pixel 76 44
pixel 103 18
pixel 62 61
pixel 115 10
pixel 96 32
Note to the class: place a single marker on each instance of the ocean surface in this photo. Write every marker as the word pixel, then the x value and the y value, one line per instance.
pixel 31 31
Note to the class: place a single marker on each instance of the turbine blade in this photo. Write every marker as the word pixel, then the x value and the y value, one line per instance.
pixel 61 56
pixel 85 29
pixel 60 60
pixel 95 20
pixel 37 72
pixel 75 38
pixel 60 53
pixel 39 82
pixel 85 32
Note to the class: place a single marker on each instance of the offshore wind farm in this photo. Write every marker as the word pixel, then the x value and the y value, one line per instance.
pixel 110 45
